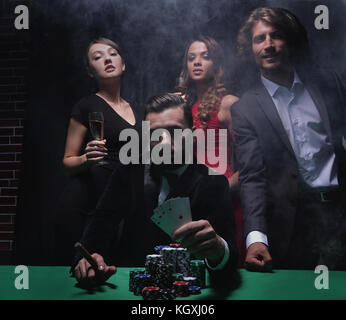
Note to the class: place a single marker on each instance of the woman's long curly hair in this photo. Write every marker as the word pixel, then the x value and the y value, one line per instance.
pixel 212 98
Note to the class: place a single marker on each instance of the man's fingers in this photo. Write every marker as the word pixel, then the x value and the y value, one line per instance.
pixel 267 260
pixel 87 276
pixel 105 274
pixel 91 273
pixel 81 270
pixel 112 269
pixel 253 267
pixel 258 258
pixel 83 267
pixel 188 228
pixel 77 273
pixel 254 264
pixel 195 239
pixel 104 271
pixel 259 263
pixel 99 260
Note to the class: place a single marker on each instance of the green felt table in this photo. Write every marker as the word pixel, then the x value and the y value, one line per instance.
pixel 55 283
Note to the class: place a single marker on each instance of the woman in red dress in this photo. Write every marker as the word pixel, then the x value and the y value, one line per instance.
pixel 201 84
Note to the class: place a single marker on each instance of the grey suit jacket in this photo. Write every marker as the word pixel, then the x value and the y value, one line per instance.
pixel 268 170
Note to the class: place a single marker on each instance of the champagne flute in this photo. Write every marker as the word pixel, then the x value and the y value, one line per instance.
pixel 96 124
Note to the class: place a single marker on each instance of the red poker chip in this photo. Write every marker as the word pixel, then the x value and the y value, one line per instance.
pixel 150 293
pixel 181 288
pixel 180 283
pixel 145 289
pixel 175 245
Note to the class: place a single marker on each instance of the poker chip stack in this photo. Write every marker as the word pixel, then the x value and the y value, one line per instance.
pixel 152 263
pixel 140 282
pixel 181 288
pixel 169 255
pixel 198 271
pixel 183 262
pixel 133 273
pixel 167 294
pixel 158 249
pixel 168 274
pixel 164 277
pixel 191 280
pixel 178 277
pixel 151 293
pixel 194 290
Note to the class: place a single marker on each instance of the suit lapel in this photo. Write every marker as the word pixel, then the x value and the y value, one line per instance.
pixel 268 107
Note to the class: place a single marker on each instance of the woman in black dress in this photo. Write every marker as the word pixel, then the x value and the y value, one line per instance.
pixel 90 162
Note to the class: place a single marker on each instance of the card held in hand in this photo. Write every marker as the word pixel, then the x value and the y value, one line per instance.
pixel 172 214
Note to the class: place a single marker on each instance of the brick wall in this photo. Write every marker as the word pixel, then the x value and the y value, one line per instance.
pixel 13 99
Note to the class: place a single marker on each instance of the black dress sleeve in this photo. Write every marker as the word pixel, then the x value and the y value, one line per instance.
pixel 80 111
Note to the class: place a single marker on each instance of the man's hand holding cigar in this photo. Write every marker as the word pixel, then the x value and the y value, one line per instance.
pixel 92 269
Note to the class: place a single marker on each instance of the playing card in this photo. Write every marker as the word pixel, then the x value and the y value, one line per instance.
pixel 181 211
pixel 162 216
pixel 172 214
pixel 159 214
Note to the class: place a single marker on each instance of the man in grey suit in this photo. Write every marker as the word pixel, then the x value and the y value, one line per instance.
pixel 289 131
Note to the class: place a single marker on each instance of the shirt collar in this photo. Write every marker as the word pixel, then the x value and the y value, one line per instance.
pixel 272 87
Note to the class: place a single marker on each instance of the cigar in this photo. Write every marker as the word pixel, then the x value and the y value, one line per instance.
pixel 84 252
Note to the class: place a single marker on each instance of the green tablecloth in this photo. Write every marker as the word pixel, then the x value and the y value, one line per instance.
pixel 55 283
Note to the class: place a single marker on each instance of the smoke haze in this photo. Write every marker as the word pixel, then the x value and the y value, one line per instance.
pixel 153 34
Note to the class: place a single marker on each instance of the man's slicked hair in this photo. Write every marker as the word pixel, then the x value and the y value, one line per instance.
pixel 165 101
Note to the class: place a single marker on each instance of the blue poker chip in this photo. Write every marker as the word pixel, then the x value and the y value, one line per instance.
pixel 159 248
pixel 194 290
pixel 142 276
pixel 140 281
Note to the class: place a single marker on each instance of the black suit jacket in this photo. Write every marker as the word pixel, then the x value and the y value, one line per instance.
pixel 125 198
pixel 268 169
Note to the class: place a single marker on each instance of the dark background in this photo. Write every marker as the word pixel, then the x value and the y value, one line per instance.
pixel 154 34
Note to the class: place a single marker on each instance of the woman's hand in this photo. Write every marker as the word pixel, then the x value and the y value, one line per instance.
pixel 95 151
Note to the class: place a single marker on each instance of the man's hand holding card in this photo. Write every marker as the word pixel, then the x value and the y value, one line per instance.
pixel 198 237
